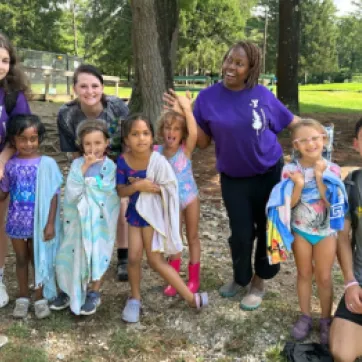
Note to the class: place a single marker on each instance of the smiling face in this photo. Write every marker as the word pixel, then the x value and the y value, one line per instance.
pixel 27 143
pixel 140 137
pixel 4 63
pixel 95 143
pixel 309 141
pixel 235 69
pixel 89 89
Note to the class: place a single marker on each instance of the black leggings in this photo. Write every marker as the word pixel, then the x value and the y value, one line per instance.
pixel 245 200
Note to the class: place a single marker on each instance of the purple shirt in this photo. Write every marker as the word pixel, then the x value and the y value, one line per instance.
pixel 244 126
pixel 21 107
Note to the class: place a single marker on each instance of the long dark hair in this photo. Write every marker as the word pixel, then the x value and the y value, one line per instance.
pixel 16 79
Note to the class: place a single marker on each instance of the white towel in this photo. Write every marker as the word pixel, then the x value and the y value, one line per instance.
pixel 162 212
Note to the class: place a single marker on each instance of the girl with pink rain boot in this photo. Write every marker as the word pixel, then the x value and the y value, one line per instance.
pixel 178 130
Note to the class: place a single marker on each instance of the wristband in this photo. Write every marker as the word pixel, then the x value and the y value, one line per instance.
pixel 350 284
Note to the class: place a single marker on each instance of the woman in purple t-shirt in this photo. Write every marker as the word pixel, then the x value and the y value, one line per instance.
pixel 243 119
pixel 13 86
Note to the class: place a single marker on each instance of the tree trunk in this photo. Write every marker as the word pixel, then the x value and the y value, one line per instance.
pixel 154 23
pixel 289 30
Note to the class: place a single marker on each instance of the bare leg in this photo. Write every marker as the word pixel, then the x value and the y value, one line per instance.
pixel 324 254
pixel 159 264
pixel 345 340
pixel 192 218
pixel 22 264
pixel 303 254
pixel 134 260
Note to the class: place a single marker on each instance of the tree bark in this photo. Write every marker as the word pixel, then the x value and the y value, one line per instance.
pixel 287 72
pixel 154 29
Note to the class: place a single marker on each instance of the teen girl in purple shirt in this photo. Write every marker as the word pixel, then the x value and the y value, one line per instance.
pixel 12 84
pixel 243 119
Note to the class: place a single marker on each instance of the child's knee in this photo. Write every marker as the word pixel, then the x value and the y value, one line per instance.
pixel 305 273
pixel 193 239
pixel 154 261
pixel 22 261
pixel 324 280
pixel 134 259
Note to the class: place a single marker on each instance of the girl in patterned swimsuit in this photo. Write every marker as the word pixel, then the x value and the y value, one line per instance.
pixel 178 130
pixel 33 182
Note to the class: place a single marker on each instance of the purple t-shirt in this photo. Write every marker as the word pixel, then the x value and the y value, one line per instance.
pixel 244 126
pixel 21 107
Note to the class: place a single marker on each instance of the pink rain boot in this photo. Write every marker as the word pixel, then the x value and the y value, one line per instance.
pixel 194 277
pixel 170 291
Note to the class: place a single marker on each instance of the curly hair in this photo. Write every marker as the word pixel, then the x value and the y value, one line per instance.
pixel 16 79
pixel 89 126
pixel 169 117
pixel 254 56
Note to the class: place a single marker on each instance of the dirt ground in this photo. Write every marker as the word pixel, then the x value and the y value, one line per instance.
pixel 169 330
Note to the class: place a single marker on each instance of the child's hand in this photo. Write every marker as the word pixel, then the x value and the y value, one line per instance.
pixel 146 185
pixel 320 167
pixel 91 159
pixel 49 232
pixel 297 178
pixel 184 101
pixel 2 169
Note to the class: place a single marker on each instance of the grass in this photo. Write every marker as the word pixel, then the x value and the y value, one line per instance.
pixel 347 87
pixel 273 354
pixel 18 330
pixel 124 343
pixel 22 353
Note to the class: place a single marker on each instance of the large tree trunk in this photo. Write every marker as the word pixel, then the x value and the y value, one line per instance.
pixel 154 23
pixel 289 30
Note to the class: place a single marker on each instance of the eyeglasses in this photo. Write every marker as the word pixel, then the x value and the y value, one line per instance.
pixel 304 141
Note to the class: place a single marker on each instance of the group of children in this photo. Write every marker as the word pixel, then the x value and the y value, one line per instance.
pixel 69 262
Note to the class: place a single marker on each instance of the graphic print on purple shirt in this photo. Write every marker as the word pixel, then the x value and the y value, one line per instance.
pixel 244 126
pixel 20 181
pixel 21 107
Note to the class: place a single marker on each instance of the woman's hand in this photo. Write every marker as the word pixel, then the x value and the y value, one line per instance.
pixel 2 169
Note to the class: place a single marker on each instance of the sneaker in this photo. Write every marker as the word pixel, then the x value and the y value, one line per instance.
pixel 61 302
pixel 302 327
pixel 131 312
pixel 92 301
pixel 4 297
pixel 122 272
pixel 252 299
pixel 21 308
pixel 324 326
pixel 230 289
pixel 41 308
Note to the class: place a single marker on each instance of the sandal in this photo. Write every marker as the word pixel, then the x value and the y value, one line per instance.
pixel 302 327
pixel 324 326
pixel 201 300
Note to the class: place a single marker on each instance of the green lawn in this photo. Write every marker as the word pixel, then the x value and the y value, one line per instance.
pixel 318 98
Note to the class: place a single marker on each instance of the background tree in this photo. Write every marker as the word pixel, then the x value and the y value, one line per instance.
pixel 289 29
pixel 154 23
pixel 318 53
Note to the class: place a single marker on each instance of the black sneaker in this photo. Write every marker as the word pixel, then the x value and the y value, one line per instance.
pixel 122 272
pixel 61 302
pixel 92 301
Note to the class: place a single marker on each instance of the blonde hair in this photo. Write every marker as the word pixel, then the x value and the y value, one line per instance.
pixel 89 126
pixel 171 117
pixel 308 122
